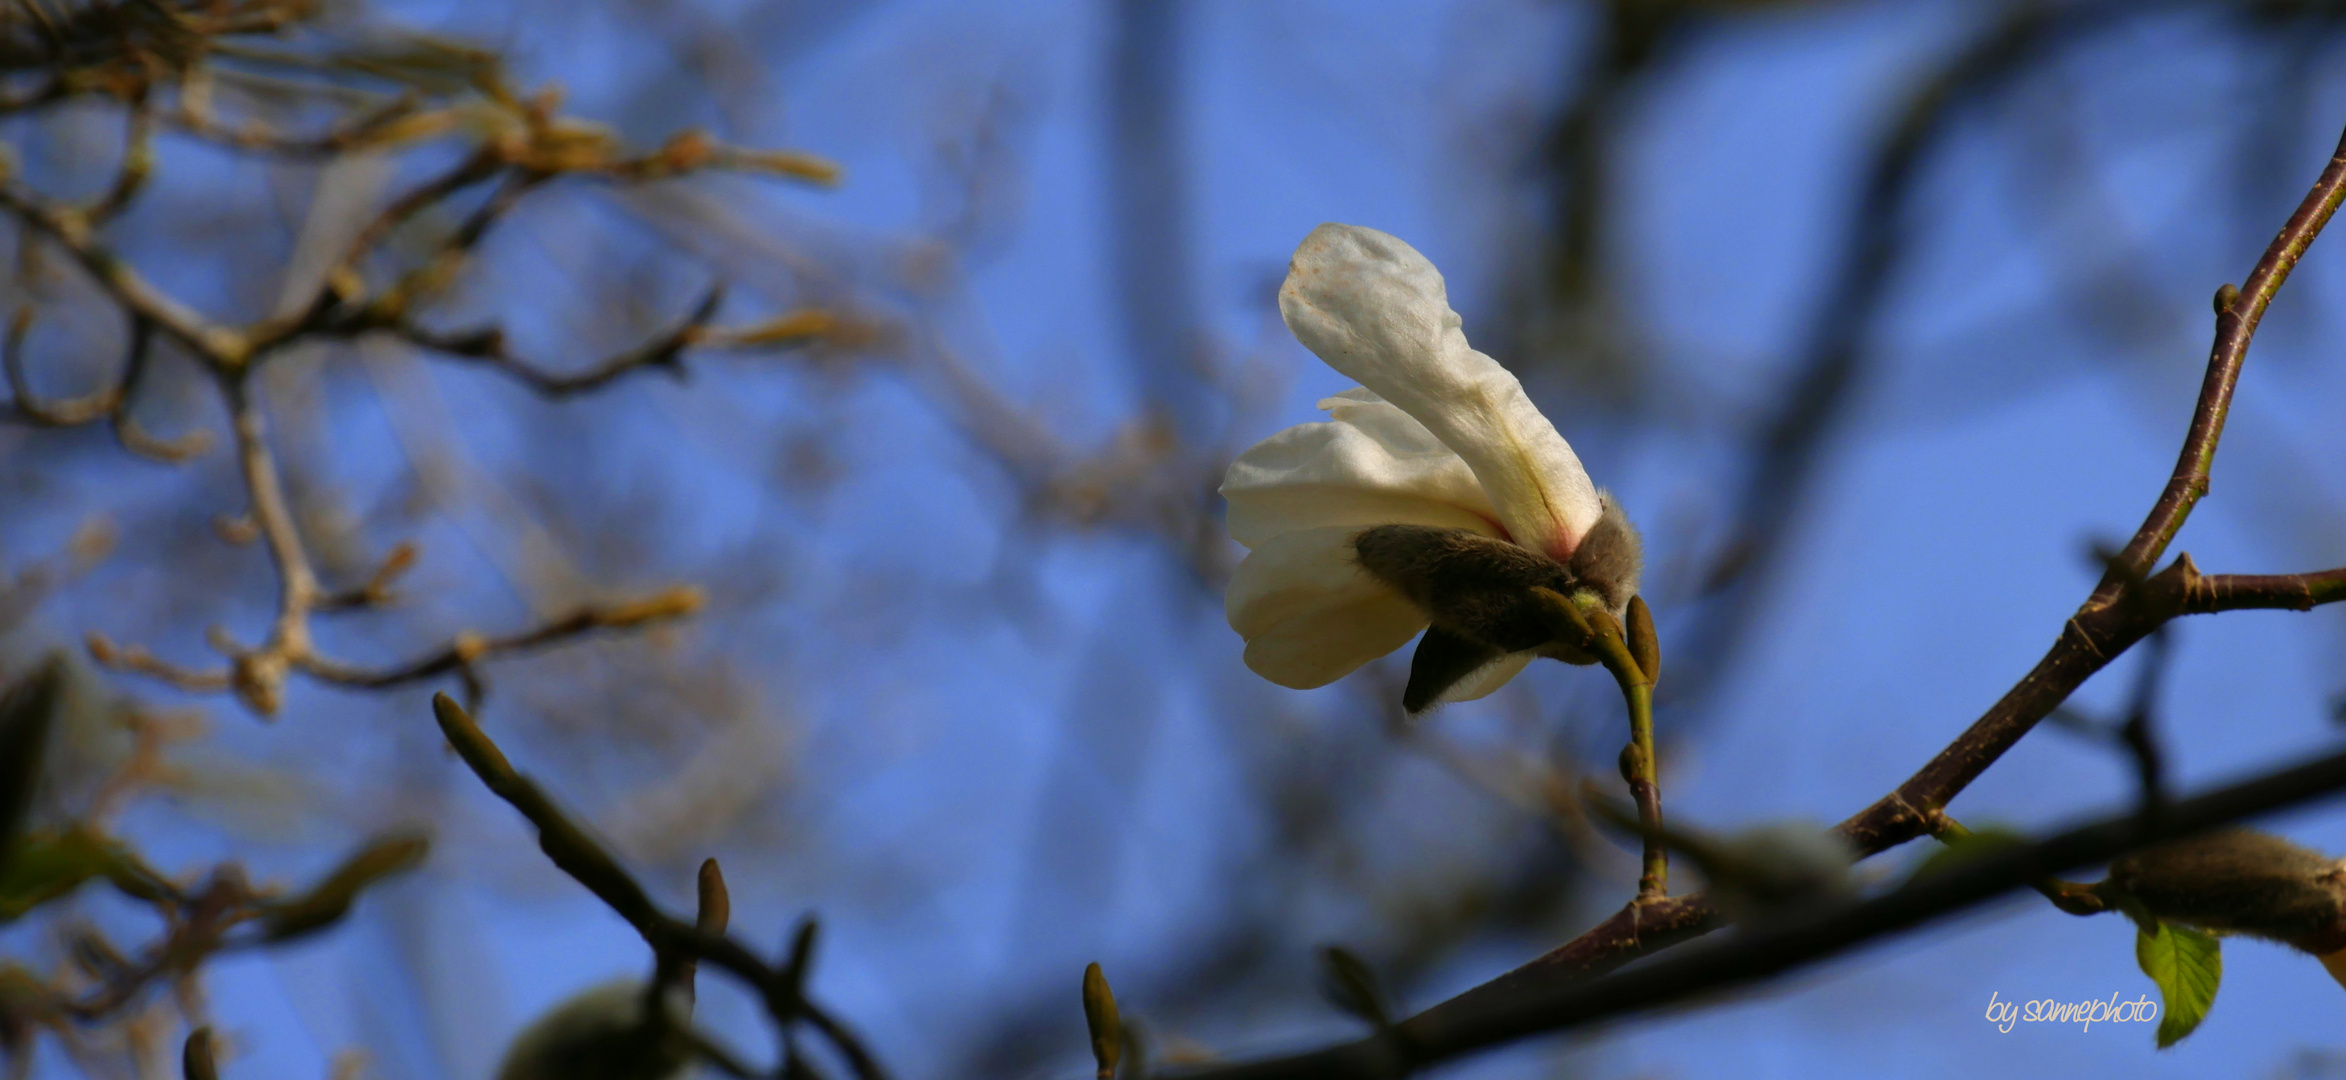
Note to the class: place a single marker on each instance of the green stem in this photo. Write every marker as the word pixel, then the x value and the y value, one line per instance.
pixel 1640 768
pixel 1596 631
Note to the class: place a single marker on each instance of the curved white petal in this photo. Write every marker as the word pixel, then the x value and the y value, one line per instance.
pixel 1308 612
pixel 1376 310
pixel 1369 465
pixel 1487 679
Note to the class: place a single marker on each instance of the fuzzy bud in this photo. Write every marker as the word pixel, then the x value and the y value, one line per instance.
pixel 604 1033
pixel 2241 882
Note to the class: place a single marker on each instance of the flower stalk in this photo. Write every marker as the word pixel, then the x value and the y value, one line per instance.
pixel 1634 659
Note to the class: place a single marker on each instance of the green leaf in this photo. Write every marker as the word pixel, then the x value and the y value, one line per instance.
pixel 1963 847
pixel 2186 964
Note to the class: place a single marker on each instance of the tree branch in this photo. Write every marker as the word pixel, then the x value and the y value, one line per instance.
pixel 2237 314
pixel 1759 951
pixel 578 854
pixel 468 648
pixel 488 347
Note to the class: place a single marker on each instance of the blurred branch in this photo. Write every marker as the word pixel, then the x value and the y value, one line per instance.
pixel 488 347
pixel 198 923
pixel 214 344
pixel 1794 941
pixel 2071 897
pixel 468 649
pixel 2111 620
pixel 522 144
pixel 112 404
pixel 578 854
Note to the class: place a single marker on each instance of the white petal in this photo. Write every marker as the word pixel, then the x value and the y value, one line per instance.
pixel 1370 465
pixel 1309 614
pixel 1487 679
pixel 1376 310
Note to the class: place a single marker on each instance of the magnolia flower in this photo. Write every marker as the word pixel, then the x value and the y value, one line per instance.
pixel 1433 498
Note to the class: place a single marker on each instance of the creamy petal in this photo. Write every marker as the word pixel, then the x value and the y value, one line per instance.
pixel 1373 308
pixel 1369 465
pixel 1309 614
pixel 1488 678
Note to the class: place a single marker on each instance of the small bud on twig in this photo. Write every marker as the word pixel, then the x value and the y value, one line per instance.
pixel 28 712
pixel 1644 644
pixel 1099 1014
pixel 716 905
pixel 196 1060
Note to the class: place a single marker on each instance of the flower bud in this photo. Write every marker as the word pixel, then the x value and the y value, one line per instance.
pixel 1100 1016
pixel 603 1033
pixel 1469 584
pixel 1481 595
pixel 2241 882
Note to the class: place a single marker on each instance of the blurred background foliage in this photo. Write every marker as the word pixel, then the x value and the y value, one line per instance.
pixel 1874 314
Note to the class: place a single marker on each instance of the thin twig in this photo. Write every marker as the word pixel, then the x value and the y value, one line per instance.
pixel 214 344
pixel 488 347
pixel 468 649
pixel 578 854
pixel 2236 325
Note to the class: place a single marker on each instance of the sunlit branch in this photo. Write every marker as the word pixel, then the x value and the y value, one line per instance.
pixel 214 344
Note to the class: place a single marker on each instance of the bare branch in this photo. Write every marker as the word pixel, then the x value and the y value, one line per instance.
pixel 137 659
pixel 112 404
pixel 468 649
pixel 578 854
pixel 488 347
pixel 2238 313
pixel 217 345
